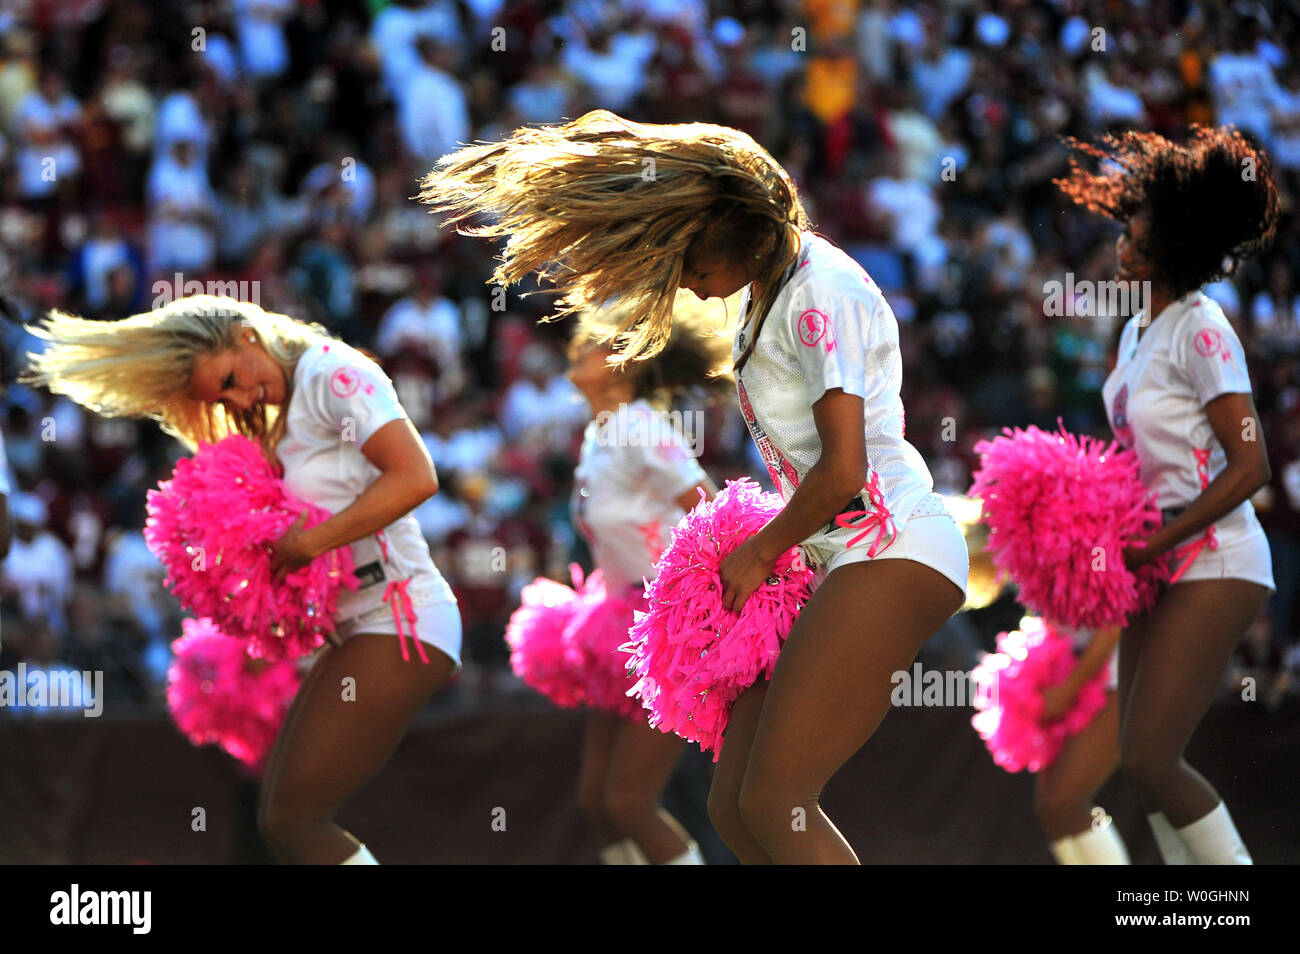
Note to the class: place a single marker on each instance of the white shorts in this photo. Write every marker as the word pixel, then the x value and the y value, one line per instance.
pixel 437 625
pixel 1243 554
pixel 930 536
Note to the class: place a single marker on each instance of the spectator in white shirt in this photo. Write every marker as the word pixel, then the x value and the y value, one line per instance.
pixel 182 209
pixel 1243 88
pixel 613 67
pixel 432 112
pixel 346 178
pixel 941 75
pixel 424 321
pixel 128 101
pixel 260 26
pixel 542 405
pixel 1286 122
pixel 1110 96
pixel 45 128
pixel 38 569
pixel 399 26
pixel 179 118
pixel 133 574
pixel 906 207
pixel 465 439
pixel 542 96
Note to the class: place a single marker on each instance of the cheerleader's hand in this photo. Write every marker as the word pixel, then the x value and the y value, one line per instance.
pixel 1136 554
pixel 1057 702
pixel 742 572
pixel 255 665
pixel 292 550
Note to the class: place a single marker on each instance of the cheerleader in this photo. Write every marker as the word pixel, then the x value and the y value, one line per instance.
pixel 1180 395
pixel 635 479
pixel 207 367
pixel 605 207
pixel 1079 832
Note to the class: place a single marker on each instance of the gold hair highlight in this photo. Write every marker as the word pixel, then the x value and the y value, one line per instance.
pixel 606 208
pixel 141 366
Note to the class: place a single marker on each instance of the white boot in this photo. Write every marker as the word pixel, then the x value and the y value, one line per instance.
pixel 691 856
pixel 361 857
pixel 1064 851
pixel 623 852
pixel 1101 846
pixel 1173 850
pixel 634 853
pixel 1213 840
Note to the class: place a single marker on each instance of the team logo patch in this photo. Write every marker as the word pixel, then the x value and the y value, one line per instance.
pixel 1209 342
pixel 345 382
pixel 812 326
pixel 815 327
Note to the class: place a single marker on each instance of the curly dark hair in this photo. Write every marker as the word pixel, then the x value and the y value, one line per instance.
pixel 1207 213
pixel 696 354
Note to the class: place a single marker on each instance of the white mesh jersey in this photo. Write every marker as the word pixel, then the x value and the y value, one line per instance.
pixel 340 399
pixel 1156 396
pixel 830 327
pixel 633 466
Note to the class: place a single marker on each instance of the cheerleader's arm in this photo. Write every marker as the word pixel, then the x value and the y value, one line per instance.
pixel 1093 658
pixel 1059 700
pixel 1236 426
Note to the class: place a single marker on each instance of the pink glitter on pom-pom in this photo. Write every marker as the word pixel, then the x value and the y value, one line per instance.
pixel 691 657
pixel 211 526
pixel 1060 511
pixel 1010 703
pixel 595 638
pixel 217 693
pixel 539 653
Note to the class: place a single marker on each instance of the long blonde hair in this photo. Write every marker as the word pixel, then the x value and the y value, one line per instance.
pixel 606 208
pixel 142 366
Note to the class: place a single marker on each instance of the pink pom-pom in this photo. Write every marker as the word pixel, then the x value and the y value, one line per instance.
pixel 1010 703
pixel 595 637
pixel 691 657
pixel 217 693
pixel 540 654
pixel 1060 511
pixel 211 526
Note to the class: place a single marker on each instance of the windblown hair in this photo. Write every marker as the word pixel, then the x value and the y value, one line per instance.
pixel 1212 202
pixel 609 209
pixel 696 355
pixel 141 366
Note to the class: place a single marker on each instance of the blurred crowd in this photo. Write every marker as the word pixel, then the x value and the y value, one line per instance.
pixel 269 149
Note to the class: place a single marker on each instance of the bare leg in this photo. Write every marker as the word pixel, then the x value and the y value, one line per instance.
pixel 724 795
pixel 1190 636
pixel 597 746
pixel 334 744
pixel 639 768
pixel 1065 790
pixel 830 691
